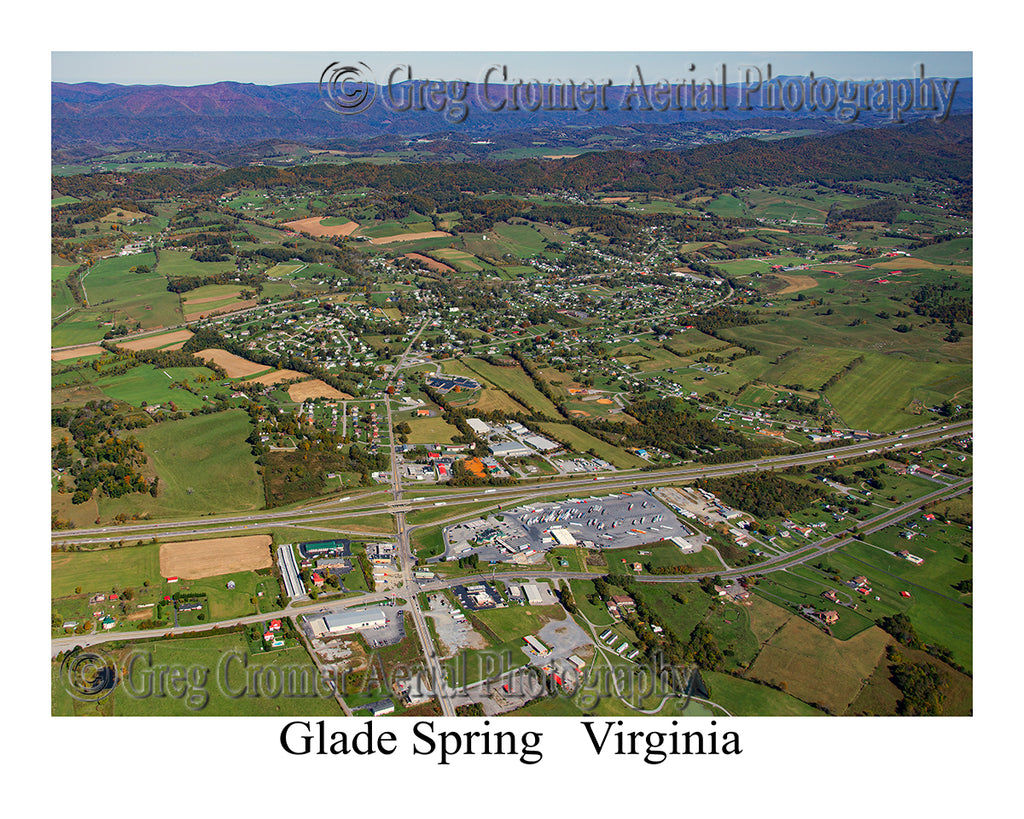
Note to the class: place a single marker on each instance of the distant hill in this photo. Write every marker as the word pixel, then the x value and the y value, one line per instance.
pixel 940 151
pixel 207 117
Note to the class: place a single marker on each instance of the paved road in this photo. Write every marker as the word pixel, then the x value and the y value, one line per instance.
pixel 371 503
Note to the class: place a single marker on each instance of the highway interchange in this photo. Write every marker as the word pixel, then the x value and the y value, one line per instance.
pixel 390 502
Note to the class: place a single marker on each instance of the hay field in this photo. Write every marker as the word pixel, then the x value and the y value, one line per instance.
pixel 409 237
pixel 313 227
pixel 77 352
pixel 152 342
pixel 817 668
pixel 229 308
pixel 314 389
pixel 276 377
pixel 795 284
pixel 194 559
pixel 433 264
pixel 235 366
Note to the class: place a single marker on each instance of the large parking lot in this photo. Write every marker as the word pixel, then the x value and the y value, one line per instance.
pixel 389 634
pixel 608 522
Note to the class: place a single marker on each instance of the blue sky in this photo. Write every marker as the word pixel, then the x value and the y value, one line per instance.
pixel 274 68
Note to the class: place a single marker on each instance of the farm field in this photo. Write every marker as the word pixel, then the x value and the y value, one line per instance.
pixel 154 385
pixel 194 559
pixel 224 653
pixel 102 569
pixel 582 441
pixel 227 480
pixel 515 381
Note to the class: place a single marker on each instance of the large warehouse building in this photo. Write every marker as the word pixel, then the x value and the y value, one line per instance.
pixel 345 622
pixel 511 449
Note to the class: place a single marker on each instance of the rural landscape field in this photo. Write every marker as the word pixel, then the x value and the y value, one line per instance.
pixel 701 395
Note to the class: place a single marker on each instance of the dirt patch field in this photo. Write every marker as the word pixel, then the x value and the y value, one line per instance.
pixel 314 389
pixel 230 308
pixel 579 413
pixel 235 366
pixel 614 199
pixel 189 302
pixel 605 401
pixel 194 559
pixel 152 342
pixel 277 376
pixel 121 215
pixel 313 227
pixel 559 156
pixel 795 284
pixel 409 237
pixel 63 355
pixel 433 264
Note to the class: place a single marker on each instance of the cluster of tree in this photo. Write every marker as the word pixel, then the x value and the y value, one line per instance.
pixel 922 685
pixel 106 461
pixel 763 494
pixel 943 301
pixel 182 284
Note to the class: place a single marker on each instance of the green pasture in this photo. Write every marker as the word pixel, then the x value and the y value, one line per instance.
pixel 513 380
pixel 583 442
pixel 204 466
pixel 102 570
pixel 153 385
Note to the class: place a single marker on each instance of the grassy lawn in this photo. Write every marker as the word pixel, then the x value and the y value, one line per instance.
pixel 515 622
pixel 431 431
pixel 746 698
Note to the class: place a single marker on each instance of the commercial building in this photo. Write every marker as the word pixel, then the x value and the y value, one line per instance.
pixel 562 536
pixel 478 426
pixel 541 443
pixel 345 622
pixel 510 449
pixel 532 592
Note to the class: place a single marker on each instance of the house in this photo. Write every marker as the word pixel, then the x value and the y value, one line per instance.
pixel 622 601
pixel 829 618
pixel 317 578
